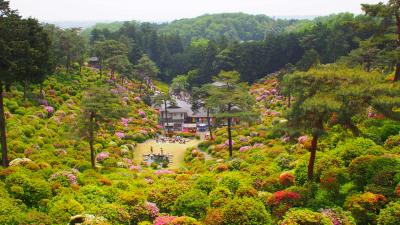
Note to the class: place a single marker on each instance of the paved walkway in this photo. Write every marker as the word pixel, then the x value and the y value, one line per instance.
pixel 176 149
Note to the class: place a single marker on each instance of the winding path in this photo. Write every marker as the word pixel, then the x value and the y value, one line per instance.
pixel 176 149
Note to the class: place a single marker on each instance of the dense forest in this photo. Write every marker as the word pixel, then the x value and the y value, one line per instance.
pixel 253 45
pixel 302 118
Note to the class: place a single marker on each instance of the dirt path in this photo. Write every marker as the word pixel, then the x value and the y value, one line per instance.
pixel 176 149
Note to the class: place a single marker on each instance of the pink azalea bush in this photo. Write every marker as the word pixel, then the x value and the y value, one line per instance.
pixel 164 172
pixel 302 139
pixel 137 99
pixel 126 121
pixel 152 208
pixel 164 220
pixel 142 113
pixel 49 109
pixel 244 148
pixel 121 135
pixel 102 156
pixel 70 175
pixel 258 145
pixel 135 168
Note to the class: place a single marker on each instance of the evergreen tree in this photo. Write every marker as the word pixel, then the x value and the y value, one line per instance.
pixel 24 57
pixel 230 99
pixel 312 107
pixel 388 36
pixel 108 49
pixel 98 105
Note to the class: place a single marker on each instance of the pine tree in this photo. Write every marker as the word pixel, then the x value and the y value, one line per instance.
pixel 230 99
pixel 98 105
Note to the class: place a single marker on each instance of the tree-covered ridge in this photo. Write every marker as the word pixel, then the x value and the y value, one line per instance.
pixel 282 42
pixel 232 26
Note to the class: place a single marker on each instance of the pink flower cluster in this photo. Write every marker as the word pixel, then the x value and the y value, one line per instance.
pixel 164 172
pixel 244 148
pixel 43 102
pixel 121 135
pixel 126 121
pixel 285 139
pixel 142 113
pixel 71 176
pixel 302 139
pixel 49 109
pixel 258 145
pixel 227 142
pixel 371 113
pixel 102 156
pixel 144 132
pixel 333 216
pixel 129 161
pixel 243 139
pixel 137 99
pixel 135 168
pixel 164 220
pixel 152 208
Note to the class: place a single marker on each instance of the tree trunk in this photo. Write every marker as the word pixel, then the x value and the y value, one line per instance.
pixel 140 88
pixel 209 124
pixel 3 129
pixel 68 62
pixel 166 114
pixel 289 100
pixel 230 133
pixel 101 67
pixel 91 140
pixel 8 86
pixel 311 162
pixel 41 92
pixel 25 89
pixel 397 74
pixel 353 128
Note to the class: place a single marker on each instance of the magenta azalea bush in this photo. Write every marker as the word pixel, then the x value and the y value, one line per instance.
pixel 102 156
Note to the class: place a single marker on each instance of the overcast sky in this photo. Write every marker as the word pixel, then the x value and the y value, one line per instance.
pixel 167 10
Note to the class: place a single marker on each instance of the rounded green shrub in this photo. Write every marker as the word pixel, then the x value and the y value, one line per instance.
pixel 390 215
pixel 245 211
pixel 62 209
pixel 193 203
pixel 30 190
pixel 304 216
pixel 206 183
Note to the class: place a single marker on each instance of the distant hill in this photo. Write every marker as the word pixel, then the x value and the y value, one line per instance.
pixel 233 26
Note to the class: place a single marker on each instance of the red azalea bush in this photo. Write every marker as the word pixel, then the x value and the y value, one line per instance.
pixel 281 201
pixel 365 207
pixel 286 179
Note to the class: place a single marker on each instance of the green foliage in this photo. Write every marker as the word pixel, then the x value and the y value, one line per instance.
pixel 193 203
pixel 245 211
pixel 375 172
pixel 354 148
pixel 62 209
pixel 305 216
pixel 30 190
pixel 206 183
pixel 390 215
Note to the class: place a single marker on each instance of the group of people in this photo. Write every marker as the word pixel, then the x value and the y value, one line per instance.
pixel 175 139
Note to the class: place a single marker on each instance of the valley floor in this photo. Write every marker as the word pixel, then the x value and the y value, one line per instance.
pixel 176 149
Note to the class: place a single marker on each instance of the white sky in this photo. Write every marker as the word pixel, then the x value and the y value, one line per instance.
pixel 167 10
